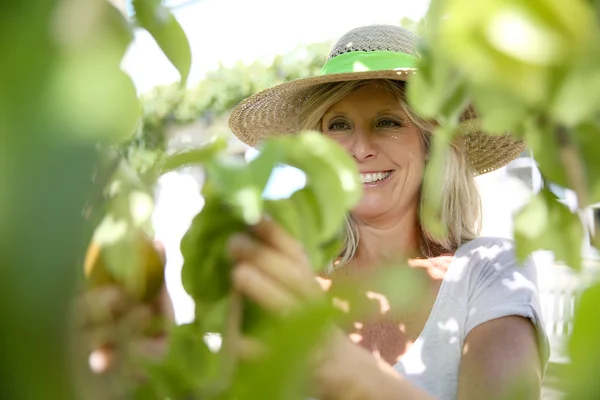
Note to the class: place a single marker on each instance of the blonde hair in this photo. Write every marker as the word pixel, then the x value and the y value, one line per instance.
pixel 461 204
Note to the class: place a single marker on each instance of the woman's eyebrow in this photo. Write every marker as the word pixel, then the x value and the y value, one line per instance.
pixel 393 110
pixel 335 114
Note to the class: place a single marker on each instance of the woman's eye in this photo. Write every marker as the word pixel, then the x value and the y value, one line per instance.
pixel 388 123
pixel 338 126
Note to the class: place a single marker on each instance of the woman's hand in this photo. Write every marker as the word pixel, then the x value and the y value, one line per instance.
pixel 110 330
pixel 273 271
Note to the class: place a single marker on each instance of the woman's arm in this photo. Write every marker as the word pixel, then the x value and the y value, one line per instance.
pixel 274 272
pixel 351 372
pixel 500 362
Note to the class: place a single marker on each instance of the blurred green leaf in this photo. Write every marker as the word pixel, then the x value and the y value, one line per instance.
pixel 197 156
pixel 188 366
pixel 587 137
pixel 433 180
pixel 284 371
pixel 545 223
pixel 542 140
pixel 550 36
pixel 499 110
pixel 437 90
pixel 573 101
pixel 167 32
pixel 206 265
pixel 583 348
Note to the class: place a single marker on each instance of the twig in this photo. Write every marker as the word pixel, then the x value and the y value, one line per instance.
pixel 569 156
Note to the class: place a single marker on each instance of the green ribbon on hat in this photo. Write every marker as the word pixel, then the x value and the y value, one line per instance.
pixel 361 61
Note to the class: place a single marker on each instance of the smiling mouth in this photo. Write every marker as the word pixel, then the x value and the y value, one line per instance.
pixel 376 177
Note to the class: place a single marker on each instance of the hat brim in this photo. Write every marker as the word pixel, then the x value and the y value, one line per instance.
pixel 275 111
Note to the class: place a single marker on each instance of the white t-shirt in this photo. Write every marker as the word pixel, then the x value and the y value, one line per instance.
pixel 483 282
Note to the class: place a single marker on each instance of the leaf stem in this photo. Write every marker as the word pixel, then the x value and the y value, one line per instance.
pixel 230 343
pixel 569 156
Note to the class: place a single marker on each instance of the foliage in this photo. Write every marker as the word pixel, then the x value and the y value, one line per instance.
pixel 233 203
pixel 211 100
pixel 537 88
pixel 72 127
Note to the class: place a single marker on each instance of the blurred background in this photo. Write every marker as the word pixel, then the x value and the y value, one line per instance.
pixel 239 48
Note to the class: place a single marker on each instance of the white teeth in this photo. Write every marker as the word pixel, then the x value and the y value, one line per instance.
pixel 370 178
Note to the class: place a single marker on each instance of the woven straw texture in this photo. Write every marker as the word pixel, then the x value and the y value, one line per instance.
pixel 274 111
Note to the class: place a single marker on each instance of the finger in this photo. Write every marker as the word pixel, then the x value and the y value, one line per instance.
pixel 274 235
pixel 149 348
pixel 101 336
pixel 249 349
pixel 139 320
pixel 269 294
pixel 100 305
pixel 275 265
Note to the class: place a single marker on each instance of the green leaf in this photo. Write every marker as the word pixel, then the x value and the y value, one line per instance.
pixel 584 348
pixel 499 110
pixel 433 180
pixel 197 156
pixel 545 223
pixel 234 182
pixel 262 166
pixel 206 270
pixel 284 372
pixel 573 101
pixel 167 32
pixel 541 139
pixel 436 91
pixel 286 215
pixel 103 108
pixel 587 137
pixel 188 366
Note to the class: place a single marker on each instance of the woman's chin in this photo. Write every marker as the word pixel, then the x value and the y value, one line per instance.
pixel 368 210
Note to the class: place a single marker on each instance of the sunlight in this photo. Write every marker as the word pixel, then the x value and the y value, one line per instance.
pixel 515 33
pixel 341 304
pixel 384 304
pixel 141 206
pixel 110 230
pixel 355 337
pixel 412 360
pixel 451 325
pixel 519 281
pixel 465 349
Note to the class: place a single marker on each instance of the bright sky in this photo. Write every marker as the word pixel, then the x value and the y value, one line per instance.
pixel 233 30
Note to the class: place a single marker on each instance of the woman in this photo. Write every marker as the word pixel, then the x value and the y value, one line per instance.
pixel 479 326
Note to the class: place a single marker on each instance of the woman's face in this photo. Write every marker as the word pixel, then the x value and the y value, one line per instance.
pixel 371 125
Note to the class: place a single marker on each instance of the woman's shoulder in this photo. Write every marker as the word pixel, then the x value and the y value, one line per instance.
pixel 484 261
pixel 493 251
pixel 488 246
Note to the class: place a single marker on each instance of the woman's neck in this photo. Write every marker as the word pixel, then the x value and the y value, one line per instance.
pixel 382 239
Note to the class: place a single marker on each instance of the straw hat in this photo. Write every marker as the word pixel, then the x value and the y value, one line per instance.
pixel 370 52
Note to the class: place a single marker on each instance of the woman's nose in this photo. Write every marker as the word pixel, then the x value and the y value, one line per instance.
pixel 363 146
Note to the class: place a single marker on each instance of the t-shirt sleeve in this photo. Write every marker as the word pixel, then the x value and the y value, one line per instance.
pixel 501 286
